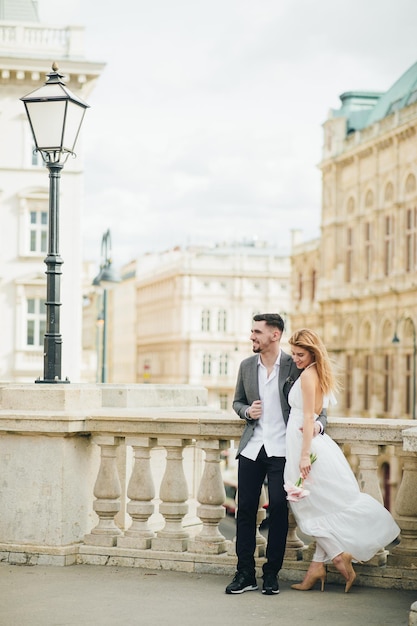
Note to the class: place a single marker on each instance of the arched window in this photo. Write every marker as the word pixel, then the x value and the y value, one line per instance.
pixel 350 205
pixel 410 184
pixel 369 199
pixel 389 192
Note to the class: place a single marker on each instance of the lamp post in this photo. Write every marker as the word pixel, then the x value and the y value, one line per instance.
pixel 106 278
pixel 55 116
pixel 396 340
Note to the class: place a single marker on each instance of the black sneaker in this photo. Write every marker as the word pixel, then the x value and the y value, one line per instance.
pixel 270 585
pixel 242 582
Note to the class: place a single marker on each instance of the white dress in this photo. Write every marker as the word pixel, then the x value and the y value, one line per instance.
pixel 336 513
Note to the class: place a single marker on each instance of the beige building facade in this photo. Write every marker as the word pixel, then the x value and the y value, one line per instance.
pixel 184 316
pixel 357 284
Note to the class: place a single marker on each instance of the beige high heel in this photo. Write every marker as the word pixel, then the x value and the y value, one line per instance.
pixel 343 563
pixel 347 559
pixel 311 578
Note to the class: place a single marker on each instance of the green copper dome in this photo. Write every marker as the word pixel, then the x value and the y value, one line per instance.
pixel 402 93
pixel 363 108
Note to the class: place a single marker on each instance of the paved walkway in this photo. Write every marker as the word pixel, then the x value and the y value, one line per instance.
pixel 108 596
pixel 84 595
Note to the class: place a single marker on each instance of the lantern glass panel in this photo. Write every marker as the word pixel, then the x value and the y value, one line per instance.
pixel 74 118
pixel 47 120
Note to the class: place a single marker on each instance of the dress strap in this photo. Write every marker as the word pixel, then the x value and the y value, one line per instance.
pixel 306 368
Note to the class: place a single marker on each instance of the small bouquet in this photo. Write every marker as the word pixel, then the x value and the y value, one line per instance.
pixel 297 492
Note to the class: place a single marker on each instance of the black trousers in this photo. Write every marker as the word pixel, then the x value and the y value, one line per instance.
pixel 251 476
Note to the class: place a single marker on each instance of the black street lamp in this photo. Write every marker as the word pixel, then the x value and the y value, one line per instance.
pixel 55 116
pixel 396 340
pixel 106 278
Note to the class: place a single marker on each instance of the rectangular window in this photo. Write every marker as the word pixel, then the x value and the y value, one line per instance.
pixel 207 364
pixel 387 383
pixel 35 322
pixel 222 321
pixel 388 245
pixel 349 255
pixel 205 320
pixel 349 366
pixel 223 365
pixel 368 251
pixel 411 240
pixel 367 383
pixel 313 284
pixel 38 235
pixel 408 385
pixel 223 401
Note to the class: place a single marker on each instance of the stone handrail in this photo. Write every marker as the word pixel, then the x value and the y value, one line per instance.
pixel 132 475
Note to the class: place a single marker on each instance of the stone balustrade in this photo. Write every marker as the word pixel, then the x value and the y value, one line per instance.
pixel 132 475
pixel 20 38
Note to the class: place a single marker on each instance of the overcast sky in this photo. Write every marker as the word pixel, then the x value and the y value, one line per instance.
pixel 206 124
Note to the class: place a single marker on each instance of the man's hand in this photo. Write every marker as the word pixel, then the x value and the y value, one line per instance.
pixel 255 410
pixel 316 431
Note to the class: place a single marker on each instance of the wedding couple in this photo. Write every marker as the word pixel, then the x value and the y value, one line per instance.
pixel 283 400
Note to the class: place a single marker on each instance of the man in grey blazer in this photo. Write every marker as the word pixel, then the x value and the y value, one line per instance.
pixel 261 399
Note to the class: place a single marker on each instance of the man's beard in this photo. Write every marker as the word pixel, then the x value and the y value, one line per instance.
pixel 256 349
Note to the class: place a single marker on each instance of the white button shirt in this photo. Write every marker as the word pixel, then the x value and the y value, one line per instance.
pixel 270 429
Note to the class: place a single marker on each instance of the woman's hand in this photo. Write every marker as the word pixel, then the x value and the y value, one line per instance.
pixel 305 465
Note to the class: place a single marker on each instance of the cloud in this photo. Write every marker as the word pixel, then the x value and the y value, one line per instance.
pixel 206 123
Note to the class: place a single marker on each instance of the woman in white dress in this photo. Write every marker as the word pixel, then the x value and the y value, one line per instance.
pixel 322 489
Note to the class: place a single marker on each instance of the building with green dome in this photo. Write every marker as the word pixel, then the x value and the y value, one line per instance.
pixel 357 284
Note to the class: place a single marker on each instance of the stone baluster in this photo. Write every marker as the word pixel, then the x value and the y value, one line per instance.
pixel 141 492
pixel 107 491
pixel 295 549
pixel 367 477
pixel 405 553
pixel 211 496
pixel 174 495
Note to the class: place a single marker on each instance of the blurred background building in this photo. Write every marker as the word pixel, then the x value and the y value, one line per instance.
pixel 357 284
pixel 27 49
pixel 184 316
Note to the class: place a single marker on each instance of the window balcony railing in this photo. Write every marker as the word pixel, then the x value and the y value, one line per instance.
pixel 132 475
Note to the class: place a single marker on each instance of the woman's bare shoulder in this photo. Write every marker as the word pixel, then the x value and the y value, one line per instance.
pixel 309 376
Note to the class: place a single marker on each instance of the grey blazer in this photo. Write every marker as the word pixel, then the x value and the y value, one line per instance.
pixel 247 391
